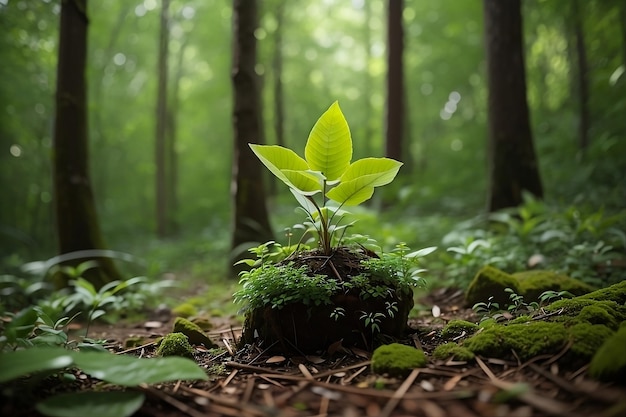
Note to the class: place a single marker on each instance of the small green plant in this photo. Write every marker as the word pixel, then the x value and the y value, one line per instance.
pixel 337 313
pixel 372 320
pixel 85 296
pixel 327 170
pixel 518 306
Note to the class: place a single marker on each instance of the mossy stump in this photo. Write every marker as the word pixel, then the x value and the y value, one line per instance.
pixel 303 328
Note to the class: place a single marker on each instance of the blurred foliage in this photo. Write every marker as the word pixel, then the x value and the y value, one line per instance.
pixel 331 50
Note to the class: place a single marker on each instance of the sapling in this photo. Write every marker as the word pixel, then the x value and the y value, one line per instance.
pixel 325 180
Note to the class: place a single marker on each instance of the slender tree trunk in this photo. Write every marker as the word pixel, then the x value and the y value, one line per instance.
pixel 622 19
pixel 513 164
pixel 251 224
pixel 583 77
pixel 76 217
pixel 279 99
pixel 368 134
pixel 161 190
pixel 277 63
pixel 395 81
pixel 171 139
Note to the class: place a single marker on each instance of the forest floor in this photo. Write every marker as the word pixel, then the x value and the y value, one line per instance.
pixel 245 382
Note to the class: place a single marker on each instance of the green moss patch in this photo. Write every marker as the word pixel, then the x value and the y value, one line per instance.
pixel 455 328
pixel 175 344
pixel 609 362
pixel 533 283
pixel 454 351
pixel 397 360
pixel 527 340
pixel 490 282
pixel 588 338
pixel 195 334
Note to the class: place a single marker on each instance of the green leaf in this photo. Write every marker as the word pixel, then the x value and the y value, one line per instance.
pixel 329 146
pixel 287 166
pixel 131 371
pixel 92 404
pixel 381 171
pixel 358 182
pixel 23 362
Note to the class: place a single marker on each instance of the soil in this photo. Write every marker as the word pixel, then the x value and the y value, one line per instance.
pixel 339 382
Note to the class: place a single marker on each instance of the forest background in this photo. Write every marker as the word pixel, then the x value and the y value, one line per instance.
pixel 310 54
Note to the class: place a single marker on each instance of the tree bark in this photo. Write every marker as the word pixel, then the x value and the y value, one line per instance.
pixel 583 77
pixel 161 162
pixel 513 164
pixel 251 225
pixel 76 218
pixel 395 118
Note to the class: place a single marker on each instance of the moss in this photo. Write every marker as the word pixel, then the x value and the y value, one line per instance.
pixel 588 338
pixel 533 283
pixel 195 334
pixel 185 310
pixel 453 350
pixel 527 340
pixel 175 344
pixel 521 319
pixel 133 341
pixel 397 360
pixel 490 282
pixel 592 311
pixel 456 328
pixel 599 313
pixel 203 322
pixel 488 322
pixel 609 362
pixel 616 293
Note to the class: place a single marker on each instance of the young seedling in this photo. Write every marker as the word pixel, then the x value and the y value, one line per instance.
pixel 325 180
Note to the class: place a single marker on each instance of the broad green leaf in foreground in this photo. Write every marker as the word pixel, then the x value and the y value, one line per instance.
pixel 131 371
pixel 23 362
pixel 117 369
pixel 92 404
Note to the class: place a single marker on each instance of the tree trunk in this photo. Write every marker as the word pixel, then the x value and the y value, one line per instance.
pixel 583 77
pixel 368 130
pixel 395 81
pixel 162 165
pixel 76 217
pixel 513 164
pixel 279 100
pixel 251 225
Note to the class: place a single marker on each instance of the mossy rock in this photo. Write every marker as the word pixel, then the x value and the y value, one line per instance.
pixel 592 311
pixel 534 283
pixel 490 282
pixel 527 340
pixel 609 361
pixel 175 344
pixel 588 338
pixel 396 359
pixel 454 351
pixel 615 293
pixel 185 310
pixel 195 334
pixel 456 328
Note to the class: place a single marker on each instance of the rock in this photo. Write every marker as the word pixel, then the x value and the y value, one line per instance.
pixel 195 334
pixel 609 362
pixel 490 282
pixel 533 283
pixel 453 351
pixel 397 360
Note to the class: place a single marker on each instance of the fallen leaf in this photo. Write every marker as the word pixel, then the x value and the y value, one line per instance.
pixel 276 359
